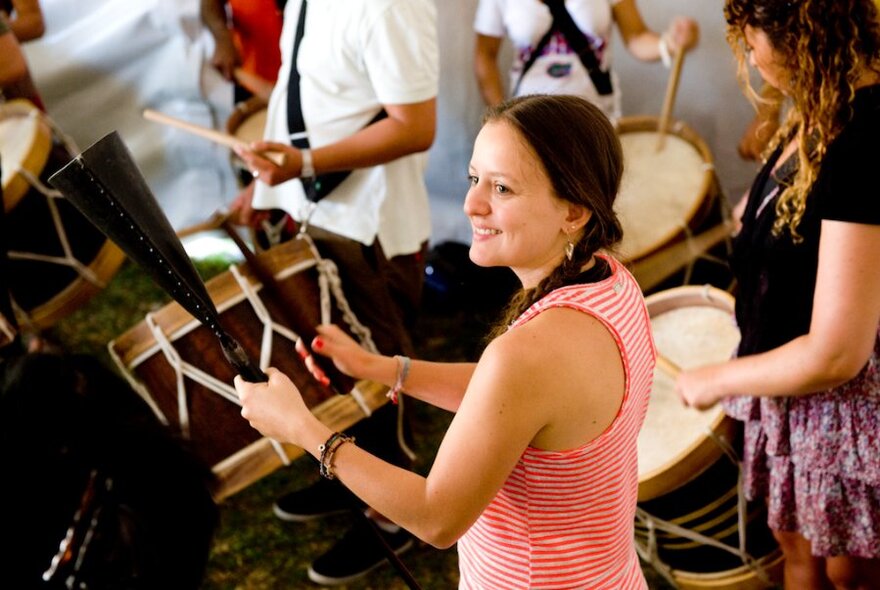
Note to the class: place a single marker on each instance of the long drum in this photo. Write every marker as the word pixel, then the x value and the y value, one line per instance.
pixel 687 474
pixel 177 366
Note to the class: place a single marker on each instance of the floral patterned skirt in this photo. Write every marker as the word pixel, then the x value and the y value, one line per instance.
pixel 816 460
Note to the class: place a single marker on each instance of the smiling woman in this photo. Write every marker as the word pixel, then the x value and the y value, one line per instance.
pixel 252 549
pixel 561 393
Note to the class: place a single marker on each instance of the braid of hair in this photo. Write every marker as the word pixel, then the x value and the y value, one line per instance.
pixel 562 275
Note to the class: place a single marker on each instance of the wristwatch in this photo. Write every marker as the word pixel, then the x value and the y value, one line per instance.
pixel 308 168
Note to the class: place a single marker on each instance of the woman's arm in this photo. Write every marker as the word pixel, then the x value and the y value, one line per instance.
pixel 225 58
pixel 843 329
pixel 526 388
pixel 27 23
pixel 477 454
pixel 12 66
pixel 440 384
pixel 486 69
pixel 643 43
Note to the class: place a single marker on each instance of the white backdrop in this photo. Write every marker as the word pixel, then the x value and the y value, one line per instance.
pixel 102 62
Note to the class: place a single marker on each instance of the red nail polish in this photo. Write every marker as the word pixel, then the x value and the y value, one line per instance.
pixel 318 344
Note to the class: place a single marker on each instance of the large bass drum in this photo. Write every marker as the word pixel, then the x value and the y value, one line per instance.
pixel 692 522
pixel 177 366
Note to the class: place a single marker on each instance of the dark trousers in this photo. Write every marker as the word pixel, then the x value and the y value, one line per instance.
pixel 385 295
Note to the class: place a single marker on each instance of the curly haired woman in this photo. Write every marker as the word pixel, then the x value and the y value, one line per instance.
pixel 806 380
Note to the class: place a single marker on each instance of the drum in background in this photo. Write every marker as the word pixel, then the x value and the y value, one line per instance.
pixel 58 260
pixel 666 194
pixel 687 475
pixel 178 367
pixel 247 122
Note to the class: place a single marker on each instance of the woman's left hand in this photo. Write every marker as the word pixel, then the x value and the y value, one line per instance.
pixel 698 389
pixel 275 408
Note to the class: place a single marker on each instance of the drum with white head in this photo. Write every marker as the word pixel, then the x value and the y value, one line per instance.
pixel 689 515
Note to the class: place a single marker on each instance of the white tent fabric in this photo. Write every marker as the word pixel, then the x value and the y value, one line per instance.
pixel 102 62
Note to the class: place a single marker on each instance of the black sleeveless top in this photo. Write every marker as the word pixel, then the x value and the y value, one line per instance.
pixel 776 277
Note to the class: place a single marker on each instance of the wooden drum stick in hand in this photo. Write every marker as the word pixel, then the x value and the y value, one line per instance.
pixel 218 137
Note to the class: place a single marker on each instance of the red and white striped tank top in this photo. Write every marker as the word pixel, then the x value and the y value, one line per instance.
pixel 564 519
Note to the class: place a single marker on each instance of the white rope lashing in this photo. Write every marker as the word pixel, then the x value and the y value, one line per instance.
pixel 328 275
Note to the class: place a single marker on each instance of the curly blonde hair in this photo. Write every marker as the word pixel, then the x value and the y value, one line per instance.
pixel 825 46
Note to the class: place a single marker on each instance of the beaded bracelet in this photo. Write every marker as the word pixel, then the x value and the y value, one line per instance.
pixel 328 449
pixel 403 363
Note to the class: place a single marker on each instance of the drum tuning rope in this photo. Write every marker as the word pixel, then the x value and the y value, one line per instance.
pixel 328 275
pixel 68 259
pixel 118 201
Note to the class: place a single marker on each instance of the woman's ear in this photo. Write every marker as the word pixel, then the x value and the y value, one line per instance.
pixel 578 216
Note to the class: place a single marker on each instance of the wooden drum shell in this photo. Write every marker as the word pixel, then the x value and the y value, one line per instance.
pixel 217 433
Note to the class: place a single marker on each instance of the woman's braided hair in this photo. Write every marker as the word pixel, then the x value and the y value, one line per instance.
pixel 581 154
pixel 825 46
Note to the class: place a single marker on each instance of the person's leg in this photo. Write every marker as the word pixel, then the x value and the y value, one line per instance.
pixel 802 570
pixel 375 288
pixel 853 573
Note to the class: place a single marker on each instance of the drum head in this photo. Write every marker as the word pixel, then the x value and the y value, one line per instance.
pixel 25 141
pixel 692 326
pixel 248 121
pixel 662 190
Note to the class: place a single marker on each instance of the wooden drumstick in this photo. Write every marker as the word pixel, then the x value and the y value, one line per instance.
pixel 667 366
pixel 669 100
pixel 219 137
pixel 214 222
pixel 258 85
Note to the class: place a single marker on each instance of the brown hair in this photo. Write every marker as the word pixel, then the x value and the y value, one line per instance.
pixel 581 155
pixel 825 46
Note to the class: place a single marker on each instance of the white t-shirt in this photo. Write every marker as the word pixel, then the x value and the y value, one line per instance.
pixel 355 56
pixel 558 70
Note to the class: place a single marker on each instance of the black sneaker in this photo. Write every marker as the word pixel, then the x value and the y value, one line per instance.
pixel 322 498
pixel 356 554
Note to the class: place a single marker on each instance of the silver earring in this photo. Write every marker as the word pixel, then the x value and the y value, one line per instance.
pixel 569 249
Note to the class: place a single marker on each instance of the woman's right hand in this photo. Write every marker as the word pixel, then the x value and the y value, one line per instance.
pixel 346 353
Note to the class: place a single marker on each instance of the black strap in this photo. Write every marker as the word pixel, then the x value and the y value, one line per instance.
pixel 295 122
pixel 323 184
pixel 576 39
